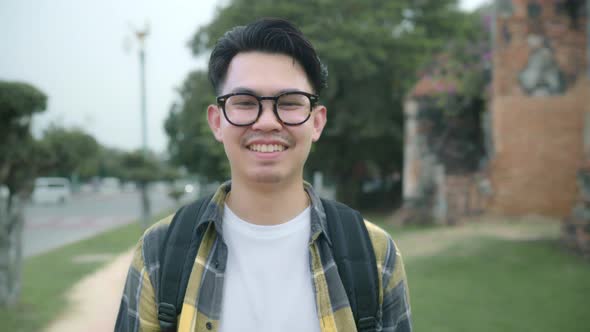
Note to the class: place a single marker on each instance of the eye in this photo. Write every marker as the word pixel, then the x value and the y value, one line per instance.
pixel 242 102
pixel 245 103
pixel 289 104
pixel 292 101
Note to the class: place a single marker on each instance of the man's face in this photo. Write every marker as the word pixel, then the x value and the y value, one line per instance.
pixel 266 151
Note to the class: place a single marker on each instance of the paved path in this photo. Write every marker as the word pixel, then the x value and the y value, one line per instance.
pixel 94 301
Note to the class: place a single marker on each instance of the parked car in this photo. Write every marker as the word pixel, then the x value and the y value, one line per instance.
pixel 3 192
pixel 51 190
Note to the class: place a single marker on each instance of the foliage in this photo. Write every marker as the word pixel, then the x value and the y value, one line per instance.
pixel 462 69
pixel 372 49
pixel 140 167
pixel 461 77
pixel 191 143
pixel 72 151
pixel 20 156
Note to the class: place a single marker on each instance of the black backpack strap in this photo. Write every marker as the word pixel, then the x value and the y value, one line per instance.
pixel 356 262
pixel 181 241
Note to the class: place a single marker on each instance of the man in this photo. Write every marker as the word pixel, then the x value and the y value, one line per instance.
pixel 264 263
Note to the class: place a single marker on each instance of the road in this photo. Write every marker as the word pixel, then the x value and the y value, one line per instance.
pixel 86 214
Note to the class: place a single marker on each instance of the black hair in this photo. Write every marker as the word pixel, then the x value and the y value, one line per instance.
pixel 269 35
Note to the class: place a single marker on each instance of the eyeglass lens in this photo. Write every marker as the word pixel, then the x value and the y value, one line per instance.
pixel 292 108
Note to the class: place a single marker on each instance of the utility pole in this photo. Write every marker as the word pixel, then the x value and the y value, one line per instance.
pixel 143 186
pixel 141 35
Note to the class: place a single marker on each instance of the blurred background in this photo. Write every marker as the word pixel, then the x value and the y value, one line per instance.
pixel 460 126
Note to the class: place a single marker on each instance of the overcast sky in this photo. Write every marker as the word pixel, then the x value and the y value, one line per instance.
pixel 83 55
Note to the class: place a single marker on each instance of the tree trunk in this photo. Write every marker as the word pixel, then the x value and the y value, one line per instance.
pixel 11 226
pixel 145 205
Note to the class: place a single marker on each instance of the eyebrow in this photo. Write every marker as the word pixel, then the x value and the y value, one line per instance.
pixel 248 90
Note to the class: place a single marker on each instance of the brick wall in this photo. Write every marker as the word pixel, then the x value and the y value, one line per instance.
pixel 465 195
pixel 538 140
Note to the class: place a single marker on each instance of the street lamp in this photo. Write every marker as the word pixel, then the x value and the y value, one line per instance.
pixel 141 35
pixel 145 202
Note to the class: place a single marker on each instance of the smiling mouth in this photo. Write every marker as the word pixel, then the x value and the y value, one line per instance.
pixel 267 148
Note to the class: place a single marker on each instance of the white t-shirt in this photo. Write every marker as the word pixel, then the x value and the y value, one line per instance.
pixel 268 285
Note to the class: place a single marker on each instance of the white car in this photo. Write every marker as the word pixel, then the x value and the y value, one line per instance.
pixel 3 192
pixel 51 190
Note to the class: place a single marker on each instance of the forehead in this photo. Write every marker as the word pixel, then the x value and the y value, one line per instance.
pixel 265 73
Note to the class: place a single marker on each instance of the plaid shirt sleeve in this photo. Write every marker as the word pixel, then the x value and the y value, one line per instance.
pixel 394 295
pixel 138 309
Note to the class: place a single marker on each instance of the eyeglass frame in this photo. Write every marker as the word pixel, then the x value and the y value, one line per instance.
pixel 313 100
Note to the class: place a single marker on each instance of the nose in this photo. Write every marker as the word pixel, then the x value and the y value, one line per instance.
pixel 267 121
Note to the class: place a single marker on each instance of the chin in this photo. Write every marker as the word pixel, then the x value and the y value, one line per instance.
pixel 267 178
pixel 267 175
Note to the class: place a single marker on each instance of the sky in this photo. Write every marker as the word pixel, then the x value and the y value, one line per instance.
pixel 84 56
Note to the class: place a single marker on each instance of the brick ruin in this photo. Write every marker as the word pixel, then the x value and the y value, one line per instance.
pixel 535 127
pixel 443 180
pixel 540 92
pixel 576 226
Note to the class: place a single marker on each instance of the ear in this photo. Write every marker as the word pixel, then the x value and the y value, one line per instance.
pixel 319 121
pixel 214 120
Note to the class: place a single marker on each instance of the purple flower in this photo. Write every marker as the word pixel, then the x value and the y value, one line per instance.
pixel 451 88
pixel 487 22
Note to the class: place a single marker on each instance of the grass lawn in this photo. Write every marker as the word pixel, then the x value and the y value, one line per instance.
pixel 486 284
pixel 47 277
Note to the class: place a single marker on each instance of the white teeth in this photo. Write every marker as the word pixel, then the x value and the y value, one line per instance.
pixel 265 148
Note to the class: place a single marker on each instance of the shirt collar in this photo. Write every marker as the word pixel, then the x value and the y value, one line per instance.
pixel 214 211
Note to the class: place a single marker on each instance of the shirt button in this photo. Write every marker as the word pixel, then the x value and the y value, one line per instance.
pixel 209 326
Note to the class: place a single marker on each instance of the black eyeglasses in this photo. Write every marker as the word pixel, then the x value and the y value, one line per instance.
pixel 244 109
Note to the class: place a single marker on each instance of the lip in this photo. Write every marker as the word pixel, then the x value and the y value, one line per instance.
pixel 266 155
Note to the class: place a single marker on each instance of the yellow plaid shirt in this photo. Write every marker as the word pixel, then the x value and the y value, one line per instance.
pixel 202 302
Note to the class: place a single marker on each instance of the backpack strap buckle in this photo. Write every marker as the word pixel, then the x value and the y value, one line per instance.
pixel 167 316
pixel 367 324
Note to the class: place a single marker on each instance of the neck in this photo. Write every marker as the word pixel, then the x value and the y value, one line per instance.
pixel 268 204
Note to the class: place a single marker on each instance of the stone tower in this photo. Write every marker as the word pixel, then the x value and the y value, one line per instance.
pixel 540 96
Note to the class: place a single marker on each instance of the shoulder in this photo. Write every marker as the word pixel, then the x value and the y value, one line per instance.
pixel 389 258
pixel 157 231
pixel 383 244
pixel 150 244
pixel 145 258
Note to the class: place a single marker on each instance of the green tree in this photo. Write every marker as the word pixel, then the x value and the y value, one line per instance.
pixel 73 152
pixel 462 74
pixel 109 163
pixel 21 157
pixel 144 168
pixel 373 50
pixel 191 143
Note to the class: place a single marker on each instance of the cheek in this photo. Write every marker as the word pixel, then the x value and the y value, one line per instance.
pixel 229 133
pixel 304 139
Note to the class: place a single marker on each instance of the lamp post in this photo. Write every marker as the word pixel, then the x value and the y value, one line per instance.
pixel 141 35
pixel 143 185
